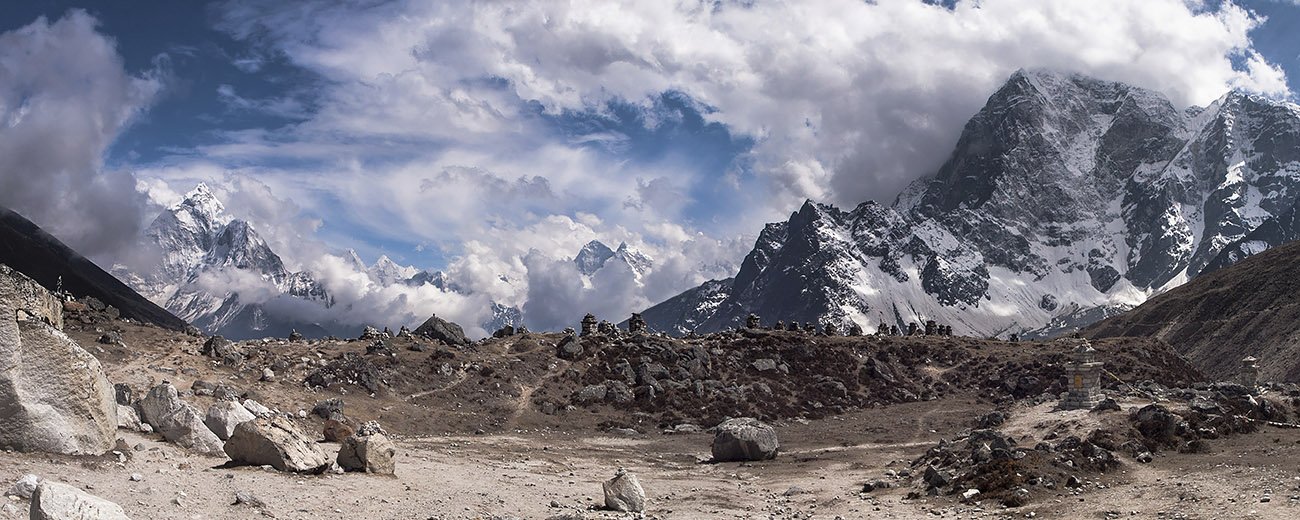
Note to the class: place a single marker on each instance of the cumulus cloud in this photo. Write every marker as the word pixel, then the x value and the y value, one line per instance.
pixel 64 97
pixel 433 124
pixel 849 99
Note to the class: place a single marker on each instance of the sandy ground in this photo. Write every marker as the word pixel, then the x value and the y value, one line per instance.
pixel 539 474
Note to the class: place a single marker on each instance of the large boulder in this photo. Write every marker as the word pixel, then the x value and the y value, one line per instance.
pixel 744 439
pixel 178 421
pixel 55 501
pixel 369 453
pixel 275 442
pixel 442 330
pixel 624 493
pixel 54 396
pixel 224 416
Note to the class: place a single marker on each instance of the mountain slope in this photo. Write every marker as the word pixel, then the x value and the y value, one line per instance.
pixel 1065 200
pixel 35 253
pixel 1248 309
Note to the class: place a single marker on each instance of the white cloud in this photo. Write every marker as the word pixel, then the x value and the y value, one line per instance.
pixel 427 129
pixel 64 97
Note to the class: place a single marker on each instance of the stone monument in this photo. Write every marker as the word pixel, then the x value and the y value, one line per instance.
pixel 1083 378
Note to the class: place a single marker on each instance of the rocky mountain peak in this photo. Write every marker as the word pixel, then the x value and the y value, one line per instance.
pixel 1065 198
pixel 592 257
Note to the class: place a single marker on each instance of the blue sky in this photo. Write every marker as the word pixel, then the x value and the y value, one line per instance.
pixel 478 137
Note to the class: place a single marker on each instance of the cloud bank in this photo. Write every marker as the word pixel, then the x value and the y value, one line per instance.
pixel 497 136
pixel 64 97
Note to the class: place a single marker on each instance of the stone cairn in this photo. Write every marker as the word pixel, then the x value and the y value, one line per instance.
pixel 832 330
pixel 810 327
pixel 780 325
pixel 855 330
pixel 1248 375
pixel 883 330
pixel 893 330
pixel 636 324
pixel 588 324
pixel 794 326
pixel 912 328
pixel 931 328
pixel 1083 377
pixel 752 321
pixel 607 328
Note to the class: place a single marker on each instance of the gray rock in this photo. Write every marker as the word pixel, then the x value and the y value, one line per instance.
pixel 370 428
pixel 248 499
pixel 123 394
pixel 624 493
pixel 370 453
pixel 331 408
pixel 54 396
pixel 257 409
pixel 127 419
pixel 55 501
pixel 276 442
pixel 178 421
pixel 24 487
pixel 744 439
pixel 442 330
pixel 224 416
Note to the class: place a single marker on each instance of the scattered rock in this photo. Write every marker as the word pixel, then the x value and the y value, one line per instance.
pixel 624 493
pixel 24 487
pixel 223 349
pixel 370 428
pixel 177 421
pixel 1107 404
pixel 992 419
pixel 127 419
pixel 1017 498
pixel 111 337
pixel 276 442
pixel 268 374
pixel 935 479
pixel 744 439
pixel 331 408
pixel 372 453
pixel 224 416
pixel 55 501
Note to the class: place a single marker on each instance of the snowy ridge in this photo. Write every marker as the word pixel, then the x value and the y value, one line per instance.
pixel 1066 199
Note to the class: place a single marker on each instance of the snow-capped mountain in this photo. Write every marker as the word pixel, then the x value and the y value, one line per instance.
pixel 1067 199
pixel 217 273
pixel 593 256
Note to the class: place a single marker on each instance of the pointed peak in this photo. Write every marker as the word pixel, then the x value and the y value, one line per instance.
pixel 202 200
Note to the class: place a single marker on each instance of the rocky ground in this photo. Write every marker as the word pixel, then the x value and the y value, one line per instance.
pixel 523 427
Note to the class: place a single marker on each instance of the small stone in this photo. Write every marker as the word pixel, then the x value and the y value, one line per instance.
pixel 248 499
pixel 136 477
pixel 624 493
pixel 24 487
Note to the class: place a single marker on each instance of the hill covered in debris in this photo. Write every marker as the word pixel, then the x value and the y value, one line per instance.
pixel 1248 309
